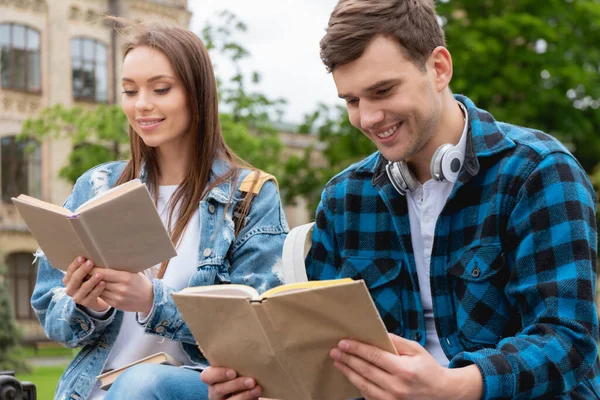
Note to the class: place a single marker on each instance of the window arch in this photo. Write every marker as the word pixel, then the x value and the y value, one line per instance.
pixel 20 281
pixel 89 63
pixel 19 57
pixel 20 167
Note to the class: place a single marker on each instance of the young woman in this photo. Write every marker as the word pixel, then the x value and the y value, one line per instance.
pixel 177 149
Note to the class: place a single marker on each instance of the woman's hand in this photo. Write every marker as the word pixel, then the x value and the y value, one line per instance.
pixel 83 286
pixel 127 291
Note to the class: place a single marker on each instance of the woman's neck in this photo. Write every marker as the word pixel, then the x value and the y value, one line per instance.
pixel 172 165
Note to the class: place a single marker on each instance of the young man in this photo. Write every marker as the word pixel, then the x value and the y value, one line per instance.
pixel 476 238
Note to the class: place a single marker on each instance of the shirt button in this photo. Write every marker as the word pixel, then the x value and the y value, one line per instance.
pixel 426 219
pixel 211 208
pixel 207 252
pixel 476 272
pixel 84 326
pixel 160 329
pixel 418 336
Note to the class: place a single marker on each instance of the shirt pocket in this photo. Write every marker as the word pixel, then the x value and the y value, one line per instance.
pixel 478 278
pixel 380 276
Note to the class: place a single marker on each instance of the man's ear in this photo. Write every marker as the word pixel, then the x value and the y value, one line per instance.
pixel 440 67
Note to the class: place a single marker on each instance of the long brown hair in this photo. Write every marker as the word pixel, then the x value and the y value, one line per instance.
pixel 354 23
pixel 193 68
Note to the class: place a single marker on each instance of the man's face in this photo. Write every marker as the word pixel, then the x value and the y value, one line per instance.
pixel 392 101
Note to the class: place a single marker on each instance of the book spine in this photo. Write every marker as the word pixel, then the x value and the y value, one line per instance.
pixel 87 241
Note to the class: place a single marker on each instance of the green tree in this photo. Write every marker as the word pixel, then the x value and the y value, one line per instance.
pixel 98 134
pixel 10 360
pixel 531 63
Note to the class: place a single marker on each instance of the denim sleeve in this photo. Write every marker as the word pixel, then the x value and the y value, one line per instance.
pixel 254 260
pixel 553 284
pixel 62 319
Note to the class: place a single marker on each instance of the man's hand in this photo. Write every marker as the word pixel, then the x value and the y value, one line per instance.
pixel 223 383
pixel 84 286
pixel 127 291
pixel 412 374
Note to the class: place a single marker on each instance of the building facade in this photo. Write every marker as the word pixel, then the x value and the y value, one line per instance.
pixel 53 52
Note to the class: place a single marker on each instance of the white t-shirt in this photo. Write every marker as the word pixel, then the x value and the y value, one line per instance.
pixel 133 343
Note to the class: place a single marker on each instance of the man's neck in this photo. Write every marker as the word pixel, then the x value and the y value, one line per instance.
pixel 449 130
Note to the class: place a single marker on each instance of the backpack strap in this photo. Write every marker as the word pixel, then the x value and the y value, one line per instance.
pixel 250 186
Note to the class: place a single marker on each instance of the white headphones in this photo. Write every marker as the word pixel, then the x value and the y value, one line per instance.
pixel 445 165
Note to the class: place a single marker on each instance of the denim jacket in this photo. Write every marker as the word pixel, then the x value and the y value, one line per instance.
pixel 253 258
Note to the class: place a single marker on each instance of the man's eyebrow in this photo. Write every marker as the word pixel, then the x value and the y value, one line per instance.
pixel 372 87
pixel 154 78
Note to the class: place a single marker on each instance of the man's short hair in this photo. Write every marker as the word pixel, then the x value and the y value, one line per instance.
pixel 354 23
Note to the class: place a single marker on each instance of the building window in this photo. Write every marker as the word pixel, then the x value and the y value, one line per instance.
pixel 19 57
pixel 90 70
pixel 20 282
pixel 21 168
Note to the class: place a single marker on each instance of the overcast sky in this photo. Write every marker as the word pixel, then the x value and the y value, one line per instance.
pixel 283 40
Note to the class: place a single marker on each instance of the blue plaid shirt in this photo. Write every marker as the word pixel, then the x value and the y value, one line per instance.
pixel 513 266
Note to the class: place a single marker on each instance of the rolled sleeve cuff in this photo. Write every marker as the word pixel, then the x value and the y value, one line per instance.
pixel 497 373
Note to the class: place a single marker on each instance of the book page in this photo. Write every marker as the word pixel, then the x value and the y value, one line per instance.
pixel 298 286
pixel 108 195
pixel 43 204
pixel 229 290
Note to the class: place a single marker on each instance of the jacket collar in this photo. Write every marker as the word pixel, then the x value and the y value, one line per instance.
pixel 220 193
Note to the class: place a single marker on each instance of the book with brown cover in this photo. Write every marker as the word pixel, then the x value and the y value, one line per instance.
pixel 119 229
pixel 108 378
pixel 283 338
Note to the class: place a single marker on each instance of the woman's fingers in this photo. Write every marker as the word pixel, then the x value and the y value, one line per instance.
pixel 72 268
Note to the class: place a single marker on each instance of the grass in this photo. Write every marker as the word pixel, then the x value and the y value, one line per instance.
pixel 45 380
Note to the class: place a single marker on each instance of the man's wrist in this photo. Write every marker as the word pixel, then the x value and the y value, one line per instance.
pixel 465 383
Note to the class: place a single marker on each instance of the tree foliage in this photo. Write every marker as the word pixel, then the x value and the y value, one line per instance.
pixel 9 333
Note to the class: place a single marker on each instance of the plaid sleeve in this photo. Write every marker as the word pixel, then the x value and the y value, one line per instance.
pixel 323 257
pixel 553 277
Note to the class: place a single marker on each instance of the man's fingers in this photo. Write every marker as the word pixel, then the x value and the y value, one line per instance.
pixel 248 394
pixel 368 389
pixel 404 346
pixel 212 375
pixel 241 387
pixel 371 354
pixel 365 369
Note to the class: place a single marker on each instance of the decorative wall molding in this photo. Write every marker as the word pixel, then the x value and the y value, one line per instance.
pixel 160 8
pixel 29 5
pixel 17 103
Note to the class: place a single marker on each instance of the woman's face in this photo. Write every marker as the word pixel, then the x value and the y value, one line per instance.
pixel 154 100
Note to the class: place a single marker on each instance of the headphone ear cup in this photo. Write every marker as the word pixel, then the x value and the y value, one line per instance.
pixel 450 164
pixel 437 172
pixel 400 177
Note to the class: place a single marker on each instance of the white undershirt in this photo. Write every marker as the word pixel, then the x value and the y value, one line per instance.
pixel 424 207
pixel 132 342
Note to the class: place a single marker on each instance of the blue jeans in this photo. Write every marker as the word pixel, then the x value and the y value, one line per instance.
pixel 158 382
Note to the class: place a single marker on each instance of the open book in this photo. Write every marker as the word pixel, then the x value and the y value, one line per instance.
pixel 282 338
pixel 119 229
pixel 108 378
